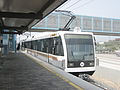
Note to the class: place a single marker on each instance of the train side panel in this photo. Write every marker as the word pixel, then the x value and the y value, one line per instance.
pixel 57 61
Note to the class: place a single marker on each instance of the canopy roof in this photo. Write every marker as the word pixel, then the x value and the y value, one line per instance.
pixel 21 15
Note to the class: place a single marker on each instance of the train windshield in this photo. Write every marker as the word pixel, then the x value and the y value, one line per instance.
pixel 79 48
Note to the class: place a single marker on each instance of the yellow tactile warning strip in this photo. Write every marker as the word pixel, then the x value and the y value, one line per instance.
pixel 57 74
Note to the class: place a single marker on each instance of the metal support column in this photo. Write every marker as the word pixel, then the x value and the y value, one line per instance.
pixel 5 44
pixel 14 42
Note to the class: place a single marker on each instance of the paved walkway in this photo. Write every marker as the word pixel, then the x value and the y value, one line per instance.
pixel 21 73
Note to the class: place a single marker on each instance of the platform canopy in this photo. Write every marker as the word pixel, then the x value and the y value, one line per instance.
pixel 21 15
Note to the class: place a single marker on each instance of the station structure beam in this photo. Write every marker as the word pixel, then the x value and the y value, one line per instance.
pixel 20 15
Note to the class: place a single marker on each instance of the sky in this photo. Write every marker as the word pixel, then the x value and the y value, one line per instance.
pixel 97 8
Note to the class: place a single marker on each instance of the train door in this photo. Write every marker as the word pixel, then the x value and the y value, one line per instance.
pixel 55 48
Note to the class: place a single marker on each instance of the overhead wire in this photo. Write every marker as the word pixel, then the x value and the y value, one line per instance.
pixel 64 4
pixel 73 4
pixel 83 4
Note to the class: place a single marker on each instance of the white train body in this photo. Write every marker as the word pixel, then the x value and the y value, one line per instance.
pixel 74 52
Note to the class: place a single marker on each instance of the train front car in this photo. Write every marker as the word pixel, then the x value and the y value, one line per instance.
pixel 80 56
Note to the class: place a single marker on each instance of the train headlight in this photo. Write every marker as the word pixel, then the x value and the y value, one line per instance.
pixel 71 64
pixel 91 63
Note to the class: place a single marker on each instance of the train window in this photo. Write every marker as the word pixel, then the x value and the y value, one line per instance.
pixel 46 45
pixel 58 47
pixel 31 44
pixel 34 45
pixel 38 45
pixel 80 47
pixel 28 44
pixel 50 45
pixel 42 46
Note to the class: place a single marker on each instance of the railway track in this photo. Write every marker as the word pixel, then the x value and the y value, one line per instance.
pixel 88 78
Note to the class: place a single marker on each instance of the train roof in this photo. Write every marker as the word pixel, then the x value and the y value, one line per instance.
pixel 54 34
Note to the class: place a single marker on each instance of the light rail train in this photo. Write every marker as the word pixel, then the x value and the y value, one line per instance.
pixel 74 52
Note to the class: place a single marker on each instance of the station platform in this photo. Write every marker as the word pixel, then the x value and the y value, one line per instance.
pixel 21 73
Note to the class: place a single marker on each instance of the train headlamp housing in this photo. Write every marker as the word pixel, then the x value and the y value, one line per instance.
pixel 71 64
pixel 91 63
